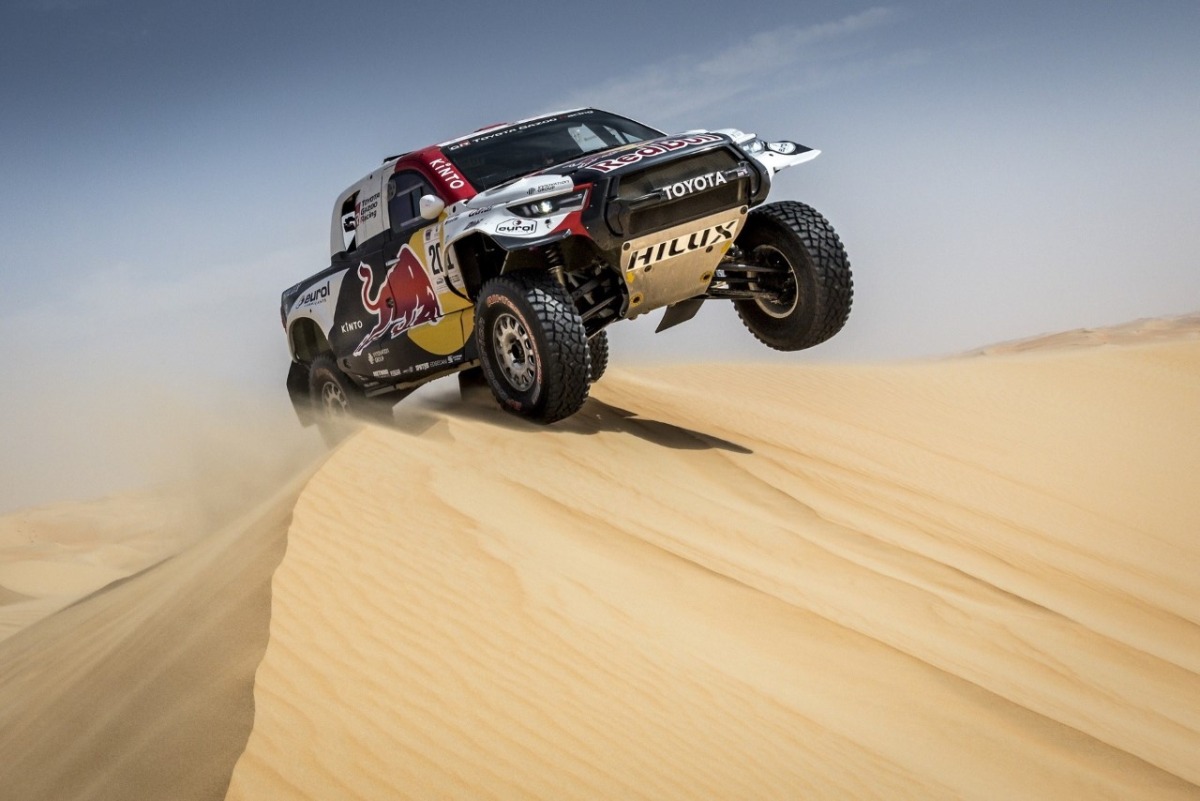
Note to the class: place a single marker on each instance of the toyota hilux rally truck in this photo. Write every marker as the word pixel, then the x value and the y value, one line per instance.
pixel 503 256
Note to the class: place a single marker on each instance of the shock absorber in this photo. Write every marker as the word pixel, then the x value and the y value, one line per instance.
pixel 554 261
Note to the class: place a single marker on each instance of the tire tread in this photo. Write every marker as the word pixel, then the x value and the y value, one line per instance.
pixel 567 360
pixel 835 283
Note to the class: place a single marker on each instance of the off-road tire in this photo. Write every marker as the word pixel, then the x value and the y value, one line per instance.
pixel 335 399
pixel 817 293
pixel 598 351
pixel 532 346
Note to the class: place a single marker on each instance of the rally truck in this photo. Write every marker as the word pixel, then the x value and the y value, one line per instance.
pixel 504 255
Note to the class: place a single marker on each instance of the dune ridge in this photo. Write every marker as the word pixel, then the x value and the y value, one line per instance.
pixel 143 688
pixel 50 557
pixel 965 578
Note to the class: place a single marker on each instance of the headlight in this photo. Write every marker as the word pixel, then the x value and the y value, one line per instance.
pixel 552 205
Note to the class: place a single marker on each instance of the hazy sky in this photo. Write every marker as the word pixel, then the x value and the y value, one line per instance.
pixel 995 170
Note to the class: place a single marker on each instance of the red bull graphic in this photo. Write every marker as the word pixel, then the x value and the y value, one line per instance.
pixel 403 299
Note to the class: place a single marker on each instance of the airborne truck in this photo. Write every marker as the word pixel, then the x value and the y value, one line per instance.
pixel 504 255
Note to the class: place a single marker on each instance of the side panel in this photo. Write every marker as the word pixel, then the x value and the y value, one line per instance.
pixel 404 312
pixel 368 220
pixel 318 302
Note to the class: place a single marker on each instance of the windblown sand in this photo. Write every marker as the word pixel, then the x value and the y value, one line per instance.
pixel 977 577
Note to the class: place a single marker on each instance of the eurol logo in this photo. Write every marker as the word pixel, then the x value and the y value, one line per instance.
pixel 607 165
pixel 314 296
pixel 517 227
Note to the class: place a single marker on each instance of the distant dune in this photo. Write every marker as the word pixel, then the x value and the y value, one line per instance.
pixel 975 577
pixel 1138 332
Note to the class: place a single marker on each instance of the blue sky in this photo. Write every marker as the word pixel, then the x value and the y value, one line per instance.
pixel 995 170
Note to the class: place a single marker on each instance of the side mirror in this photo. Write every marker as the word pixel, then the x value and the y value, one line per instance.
pixel 431 206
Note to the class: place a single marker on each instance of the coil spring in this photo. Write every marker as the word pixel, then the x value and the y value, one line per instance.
pixel 554 260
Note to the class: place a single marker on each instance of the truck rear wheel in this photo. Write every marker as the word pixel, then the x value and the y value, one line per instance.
pixel 806 284
pixel 333 397
pixel 533 347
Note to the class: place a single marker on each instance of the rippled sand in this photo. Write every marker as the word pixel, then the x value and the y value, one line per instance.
pixel 974 577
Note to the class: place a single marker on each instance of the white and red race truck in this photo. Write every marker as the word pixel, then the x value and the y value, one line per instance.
pixel 513 248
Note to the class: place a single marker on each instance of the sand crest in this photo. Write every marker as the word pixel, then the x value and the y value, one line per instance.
pixel 143 689
pixel 973 578
pixel 964 578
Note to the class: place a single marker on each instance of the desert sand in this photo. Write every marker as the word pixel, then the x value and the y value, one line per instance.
pixel 975 577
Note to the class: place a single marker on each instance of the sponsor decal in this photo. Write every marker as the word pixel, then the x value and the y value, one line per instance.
pixel 433 257
pixel 611 163
pixel 686 243
pixel 314 296
pixel 517 227
pixel 503 131
pixel 351 326
pixel 380 373
pixel 690 185
pixel 438 260
pixel 376 357
pixel 448 173
pixel 367 209
pixel 550 187
pixel 782 148
pixel 452 359
pixel 403 299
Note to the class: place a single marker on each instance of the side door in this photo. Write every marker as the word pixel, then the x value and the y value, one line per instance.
pixel 418 305
pixel 359 228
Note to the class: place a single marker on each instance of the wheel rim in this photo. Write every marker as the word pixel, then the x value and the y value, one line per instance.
pixel 786 297
pixel 334 400
pixel 514 352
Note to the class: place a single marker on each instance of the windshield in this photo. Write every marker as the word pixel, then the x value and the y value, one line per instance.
pixel 490 158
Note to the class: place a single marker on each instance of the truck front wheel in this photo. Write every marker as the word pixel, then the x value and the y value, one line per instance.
pixel 598 352
pixel 804 282
pixel 532 346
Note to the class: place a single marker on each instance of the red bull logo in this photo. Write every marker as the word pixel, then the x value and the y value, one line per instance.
pixel 403 299
pixel 656 148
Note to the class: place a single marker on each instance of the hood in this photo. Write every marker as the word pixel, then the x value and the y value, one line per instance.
pixel 638 155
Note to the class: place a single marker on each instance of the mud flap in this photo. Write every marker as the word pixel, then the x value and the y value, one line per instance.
pixel 297 386
pixel 678 313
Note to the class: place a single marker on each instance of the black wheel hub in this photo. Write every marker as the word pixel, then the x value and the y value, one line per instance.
pixel 774 288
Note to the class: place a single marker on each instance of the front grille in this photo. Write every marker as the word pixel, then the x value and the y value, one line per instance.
pixel 646 217
pixel 686 209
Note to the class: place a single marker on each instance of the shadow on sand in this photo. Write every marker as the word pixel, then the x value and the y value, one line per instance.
pixel 596 416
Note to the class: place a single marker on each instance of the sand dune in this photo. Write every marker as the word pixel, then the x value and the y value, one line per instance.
pixel 974 577
pixel 51 557
pixel 144 690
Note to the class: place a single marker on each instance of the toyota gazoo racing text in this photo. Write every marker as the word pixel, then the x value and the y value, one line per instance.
pixel 503 256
